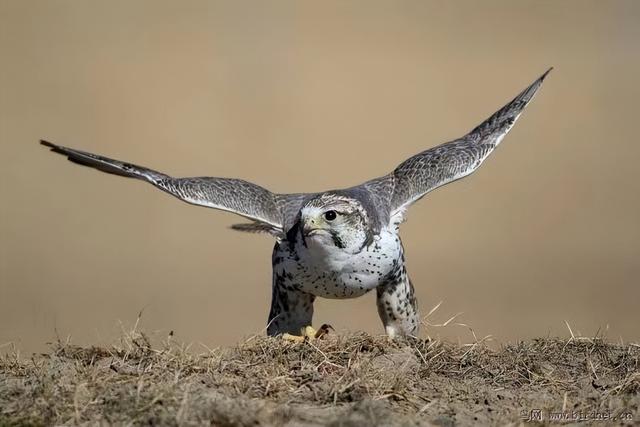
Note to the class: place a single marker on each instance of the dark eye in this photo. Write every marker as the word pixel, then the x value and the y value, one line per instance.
pixel 330 215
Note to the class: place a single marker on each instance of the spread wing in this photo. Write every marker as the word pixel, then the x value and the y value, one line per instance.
pixel 228 194
pixel 440 165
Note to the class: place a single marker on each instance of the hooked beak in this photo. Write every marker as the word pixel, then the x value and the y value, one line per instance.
pixel 309 228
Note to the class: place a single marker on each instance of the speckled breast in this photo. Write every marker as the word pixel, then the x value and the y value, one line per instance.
pixel 336 274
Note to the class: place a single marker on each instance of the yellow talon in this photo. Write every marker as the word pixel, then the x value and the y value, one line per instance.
pixel 308 333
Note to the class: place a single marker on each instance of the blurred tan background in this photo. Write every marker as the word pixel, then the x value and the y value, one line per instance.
pixel 308 96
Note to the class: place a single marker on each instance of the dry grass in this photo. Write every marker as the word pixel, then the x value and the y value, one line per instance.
pixel 341 380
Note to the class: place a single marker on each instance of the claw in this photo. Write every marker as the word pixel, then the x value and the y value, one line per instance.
pixel 324 330
pixel 308 333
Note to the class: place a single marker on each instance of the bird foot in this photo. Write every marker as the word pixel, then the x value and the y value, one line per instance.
pixel 308 333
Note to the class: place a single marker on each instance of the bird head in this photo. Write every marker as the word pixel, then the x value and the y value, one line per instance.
pixel 332 221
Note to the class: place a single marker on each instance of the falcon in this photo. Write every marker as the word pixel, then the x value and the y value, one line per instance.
pixel 338 243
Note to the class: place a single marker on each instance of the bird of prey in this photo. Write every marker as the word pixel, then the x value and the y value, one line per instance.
pixel 338 243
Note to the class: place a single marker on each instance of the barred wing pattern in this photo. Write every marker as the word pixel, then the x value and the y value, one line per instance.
pixel 228 194
pixel 448 162
pixel 390 195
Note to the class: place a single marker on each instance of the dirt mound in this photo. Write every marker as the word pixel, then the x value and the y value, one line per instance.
pixel 341 380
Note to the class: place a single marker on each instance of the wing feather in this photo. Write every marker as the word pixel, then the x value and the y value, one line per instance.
pixel 276 213
pixel 448 162
pixel 228 194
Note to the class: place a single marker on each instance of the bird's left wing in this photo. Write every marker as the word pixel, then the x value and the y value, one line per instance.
pixel 228 194
pixel 440 165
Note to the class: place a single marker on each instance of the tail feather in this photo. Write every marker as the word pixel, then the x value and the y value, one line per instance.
pixel 258 227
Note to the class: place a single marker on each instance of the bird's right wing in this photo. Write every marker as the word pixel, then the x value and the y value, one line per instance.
pixel 228 194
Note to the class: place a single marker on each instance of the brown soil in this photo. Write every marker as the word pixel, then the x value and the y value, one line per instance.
pixel 341 381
